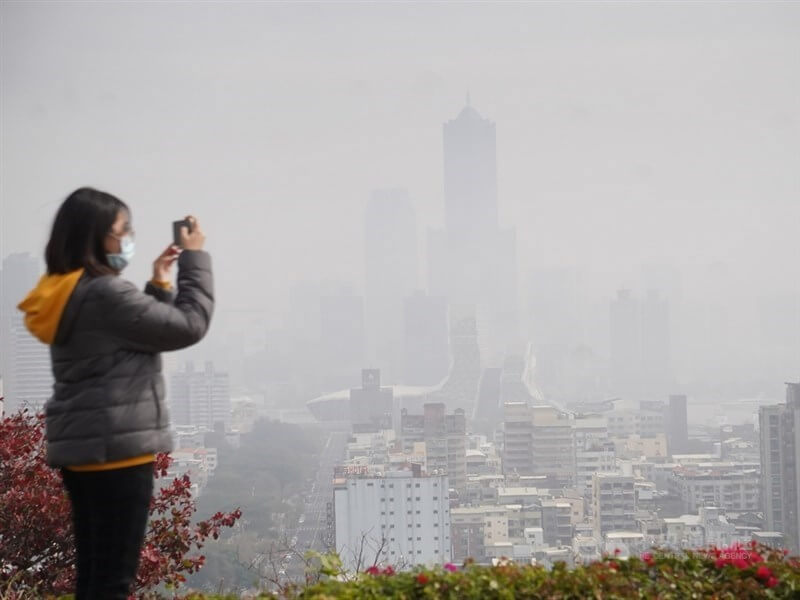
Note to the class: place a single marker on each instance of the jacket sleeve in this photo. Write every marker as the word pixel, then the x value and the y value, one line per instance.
pixel 159 293
pixel 145 323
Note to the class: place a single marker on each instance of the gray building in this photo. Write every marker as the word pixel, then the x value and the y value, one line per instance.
pixel 391 274
pixel 780 466
pixel 426 348
pixel 676 423
pixel 445 438
pixel 24 361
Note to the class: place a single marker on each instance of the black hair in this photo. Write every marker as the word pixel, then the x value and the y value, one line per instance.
pixel 81 225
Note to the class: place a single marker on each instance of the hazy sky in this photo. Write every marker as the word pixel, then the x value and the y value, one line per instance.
pixel 626 132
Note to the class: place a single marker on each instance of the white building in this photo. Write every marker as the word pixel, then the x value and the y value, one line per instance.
pixel 398 519
pixel 200 398
pixel 685 531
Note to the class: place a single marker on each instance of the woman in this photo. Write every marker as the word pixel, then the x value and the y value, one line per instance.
pixel 107 418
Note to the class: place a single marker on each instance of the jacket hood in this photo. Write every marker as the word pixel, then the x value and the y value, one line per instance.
pixel 44 305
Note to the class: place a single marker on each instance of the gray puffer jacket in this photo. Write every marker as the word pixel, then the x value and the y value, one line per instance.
pixel 108 401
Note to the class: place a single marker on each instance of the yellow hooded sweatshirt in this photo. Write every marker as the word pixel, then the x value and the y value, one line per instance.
pixel 43 308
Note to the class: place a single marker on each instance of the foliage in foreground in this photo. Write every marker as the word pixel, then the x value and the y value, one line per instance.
pixel 724 573
pixel 37 547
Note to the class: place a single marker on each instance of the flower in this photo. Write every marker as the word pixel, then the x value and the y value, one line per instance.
pixel 763 572
pixel 614 566
pixel 389 570
pixel 647 557
pixel 617 551
pixel 422 579
pixel 450 567
pixel 373 570
pixel 772 582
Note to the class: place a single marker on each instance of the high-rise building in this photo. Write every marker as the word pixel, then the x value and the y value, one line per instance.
pixel 780 466
pixel 472 262
pixel 398 519
pixel 676 423
pixel 445 438
pixel 425 341
pixel 538 440
pixel 200 398
pixel 626 342
pixel 24 361
pixel 342 341
pixel 656 342
pixel 391 274
pixel 640 344
pixel 613 503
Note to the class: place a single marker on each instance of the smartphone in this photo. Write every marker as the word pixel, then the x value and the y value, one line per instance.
pixel 176 231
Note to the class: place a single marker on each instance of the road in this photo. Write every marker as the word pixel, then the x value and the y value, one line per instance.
pixel 311 532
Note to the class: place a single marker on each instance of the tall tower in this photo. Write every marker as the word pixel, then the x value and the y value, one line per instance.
pixel 470 177
pixel 472 262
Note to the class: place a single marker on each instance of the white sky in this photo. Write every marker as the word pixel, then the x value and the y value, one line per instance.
pixel 627 132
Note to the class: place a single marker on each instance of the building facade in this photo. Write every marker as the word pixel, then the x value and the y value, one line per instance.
pixel 780 466
pixel 398 519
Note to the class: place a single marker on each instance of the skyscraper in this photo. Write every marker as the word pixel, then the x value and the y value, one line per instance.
pixel 780 466
pixel 472 262
pixel 391 274
pixel 626 342
pixel 24 361
pixel 425 340
pixel 677 424
pixel 656 343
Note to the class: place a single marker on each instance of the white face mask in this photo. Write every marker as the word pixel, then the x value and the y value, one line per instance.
pixel 127 249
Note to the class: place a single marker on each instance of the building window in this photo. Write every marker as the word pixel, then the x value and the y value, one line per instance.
pixel 416 485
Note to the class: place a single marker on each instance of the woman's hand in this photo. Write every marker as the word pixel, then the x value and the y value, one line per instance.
pixel 195 239
pixel 162 266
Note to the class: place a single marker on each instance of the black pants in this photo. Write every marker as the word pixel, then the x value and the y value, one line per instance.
pixel 109 513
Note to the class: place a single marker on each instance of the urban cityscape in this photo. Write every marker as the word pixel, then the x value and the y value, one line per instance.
pixel 463 455
pixel 467 390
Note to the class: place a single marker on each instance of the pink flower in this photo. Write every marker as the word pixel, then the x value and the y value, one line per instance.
pixel 740 563
pixel 772 582
pixel 617 551
pixel 373 570
pixel 647 557
pixel 389 570
pixel 450 567
pixel 763 572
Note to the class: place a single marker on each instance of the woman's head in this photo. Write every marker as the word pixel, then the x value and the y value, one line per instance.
pixel 89 225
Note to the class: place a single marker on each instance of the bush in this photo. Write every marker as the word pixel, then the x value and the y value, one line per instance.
pixel 736 572
pixel 37 546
